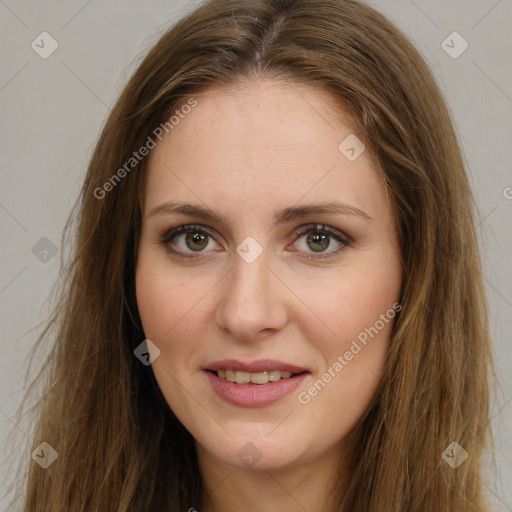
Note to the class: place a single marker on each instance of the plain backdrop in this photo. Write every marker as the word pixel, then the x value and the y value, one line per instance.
pixel 52 110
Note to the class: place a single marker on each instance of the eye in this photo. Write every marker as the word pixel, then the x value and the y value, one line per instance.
pixel 192 241
pixel 187 240
pixel 318 238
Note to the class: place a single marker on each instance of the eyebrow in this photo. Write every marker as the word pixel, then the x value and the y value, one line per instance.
pixel 286 215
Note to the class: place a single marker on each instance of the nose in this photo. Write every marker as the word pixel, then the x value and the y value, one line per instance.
pixel 252 304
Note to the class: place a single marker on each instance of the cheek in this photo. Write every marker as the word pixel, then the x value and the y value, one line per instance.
pixel 163 299
pixel 155 301
pixel 358 309
pixel 170 311
pixel 355 301
pixel 360 316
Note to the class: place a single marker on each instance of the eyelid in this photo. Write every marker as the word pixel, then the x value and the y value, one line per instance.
pixel 342 238
pixel 169 234
pixel 312 227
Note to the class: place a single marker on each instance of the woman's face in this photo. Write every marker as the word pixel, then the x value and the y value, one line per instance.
pixel 287 261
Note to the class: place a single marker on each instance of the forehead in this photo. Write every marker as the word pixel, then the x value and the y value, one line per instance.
pixel 263 141
pixel 266 115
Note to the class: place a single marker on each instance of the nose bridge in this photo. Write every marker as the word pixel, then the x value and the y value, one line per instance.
pixel 248 281
pixel 250 300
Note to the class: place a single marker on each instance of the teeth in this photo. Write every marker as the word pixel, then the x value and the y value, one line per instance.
pixel 254 378
pixel 242 377
pixel 259 378
pixel 277 375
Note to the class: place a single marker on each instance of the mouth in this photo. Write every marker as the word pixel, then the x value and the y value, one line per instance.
pixel 256 384
pixel 259 378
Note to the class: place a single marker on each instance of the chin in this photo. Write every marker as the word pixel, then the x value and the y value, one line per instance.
pixel 251 451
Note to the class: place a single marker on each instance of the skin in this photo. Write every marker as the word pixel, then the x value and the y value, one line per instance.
pixel 249 152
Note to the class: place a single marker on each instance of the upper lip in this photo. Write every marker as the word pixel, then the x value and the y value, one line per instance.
pixel 262 365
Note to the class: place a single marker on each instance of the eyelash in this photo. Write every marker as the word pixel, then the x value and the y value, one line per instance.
pixel 345 241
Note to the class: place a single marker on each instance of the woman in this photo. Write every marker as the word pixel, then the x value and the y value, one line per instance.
pixel 275 301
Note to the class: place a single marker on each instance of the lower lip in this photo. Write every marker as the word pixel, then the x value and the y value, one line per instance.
pixel 254 395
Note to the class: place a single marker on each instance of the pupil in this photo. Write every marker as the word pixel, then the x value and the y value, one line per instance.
pixel 194 240
pixel 320 240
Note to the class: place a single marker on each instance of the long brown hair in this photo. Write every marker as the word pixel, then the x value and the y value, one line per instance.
pixel 119 445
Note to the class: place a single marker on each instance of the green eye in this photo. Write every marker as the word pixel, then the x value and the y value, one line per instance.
pixel 317 238
pixel 196 241
pixel 186 240
pixel 313 240
pixel 318 242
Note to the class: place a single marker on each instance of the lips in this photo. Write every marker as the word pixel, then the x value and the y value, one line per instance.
pixel 262 365
pixel 249 394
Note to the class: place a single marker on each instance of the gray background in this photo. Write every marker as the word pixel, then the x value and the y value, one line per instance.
pixel 52 110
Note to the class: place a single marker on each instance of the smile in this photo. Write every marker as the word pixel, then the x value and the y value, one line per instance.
pixel 243 392
pixel 254 378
